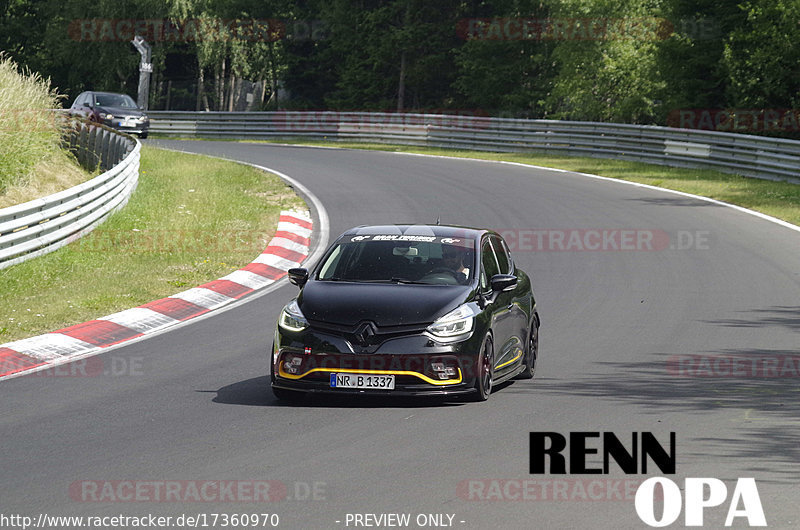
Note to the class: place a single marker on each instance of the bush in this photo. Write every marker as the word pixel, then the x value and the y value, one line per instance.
pixel 30 132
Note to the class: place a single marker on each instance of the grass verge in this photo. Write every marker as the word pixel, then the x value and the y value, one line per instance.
pixel 32 162
pixel 778 199
pixel 191 220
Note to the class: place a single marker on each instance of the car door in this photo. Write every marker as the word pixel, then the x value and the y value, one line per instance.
pixel 77 108
pixel 88 106
pixel 505 345
pixel 519 301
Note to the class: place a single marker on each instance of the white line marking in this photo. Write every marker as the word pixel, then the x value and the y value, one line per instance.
pixel 618 181
pixel 203 297
pixel 50 346
pixel 141 319
pixel 289 245
pixel 286 226
pixel 276 261
pixel 248 279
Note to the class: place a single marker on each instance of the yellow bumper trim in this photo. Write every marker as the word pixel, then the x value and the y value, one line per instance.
pixel 376 372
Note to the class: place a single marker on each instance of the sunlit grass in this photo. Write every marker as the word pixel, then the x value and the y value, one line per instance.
pixel 191 220
pixel 32 162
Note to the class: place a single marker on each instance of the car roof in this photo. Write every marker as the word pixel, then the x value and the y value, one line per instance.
pixel 103 92
pixel 418 229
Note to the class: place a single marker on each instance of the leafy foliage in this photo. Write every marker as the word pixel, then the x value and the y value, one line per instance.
pixel 610 60
pixel 763 56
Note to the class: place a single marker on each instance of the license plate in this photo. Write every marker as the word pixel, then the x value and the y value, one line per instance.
pixel 344 380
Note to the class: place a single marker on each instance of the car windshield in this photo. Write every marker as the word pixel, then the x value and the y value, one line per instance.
pixel 429 260
pixel 114 100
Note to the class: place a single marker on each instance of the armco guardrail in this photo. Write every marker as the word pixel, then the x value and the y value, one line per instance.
pixel 40 226
pixel 752 156
pixel 97 146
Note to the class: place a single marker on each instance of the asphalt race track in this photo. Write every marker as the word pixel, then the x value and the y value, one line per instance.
pixel 193 405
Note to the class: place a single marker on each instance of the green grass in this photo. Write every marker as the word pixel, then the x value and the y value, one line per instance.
pixel 30 132
pixel 191 220
pixel 778 199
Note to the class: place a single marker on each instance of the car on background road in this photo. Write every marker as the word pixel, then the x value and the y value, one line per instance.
pixel 407 310
pixel 119 111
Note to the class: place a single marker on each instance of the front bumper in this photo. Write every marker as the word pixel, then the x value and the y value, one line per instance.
pixel 128 127
pixel 414 374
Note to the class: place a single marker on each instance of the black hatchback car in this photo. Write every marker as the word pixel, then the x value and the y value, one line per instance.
pixel 115 110
pixel 407 310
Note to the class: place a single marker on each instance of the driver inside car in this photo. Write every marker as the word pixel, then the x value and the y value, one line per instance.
pixel 455 258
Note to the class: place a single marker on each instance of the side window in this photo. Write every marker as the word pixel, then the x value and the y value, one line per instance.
pixel 488 264
pixel 79 102
pixel 331 264
pixel 502 255
pixel 511 266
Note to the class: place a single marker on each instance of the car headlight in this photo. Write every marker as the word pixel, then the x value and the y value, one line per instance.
pixel 455 325
pixel 106 116
pixel 292 318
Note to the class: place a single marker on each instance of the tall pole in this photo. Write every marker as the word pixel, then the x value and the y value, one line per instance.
pixel 145 69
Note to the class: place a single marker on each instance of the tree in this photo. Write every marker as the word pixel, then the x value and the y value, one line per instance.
pixel 84 47
pixel 690 58
pixel 387 55
pixel 762 55
pixel 607 68
pixel 505 65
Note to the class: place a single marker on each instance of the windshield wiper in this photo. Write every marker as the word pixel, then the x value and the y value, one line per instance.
pixel 392 280
pixel 387 280
pixel 406 280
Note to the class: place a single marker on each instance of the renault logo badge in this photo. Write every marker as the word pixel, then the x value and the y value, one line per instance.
pixel 365 331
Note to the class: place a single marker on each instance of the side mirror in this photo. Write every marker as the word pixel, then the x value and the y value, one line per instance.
pixel 503 282
pixel 299 276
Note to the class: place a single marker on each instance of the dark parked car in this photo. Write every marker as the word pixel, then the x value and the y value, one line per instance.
pixel 115 110
pixel 407 310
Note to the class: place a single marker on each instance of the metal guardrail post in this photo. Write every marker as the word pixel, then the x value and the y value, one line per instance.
pixel 83 142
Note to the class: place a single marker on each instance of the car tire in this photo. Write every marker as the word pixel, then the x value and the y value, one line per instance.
pixel 533 352
pixel 272 364
pixel 485 367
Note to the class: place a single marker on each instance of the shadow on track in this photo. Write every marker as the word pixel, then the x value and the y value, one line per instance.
pixel 255 392
pixel 763 411
pixel 783 316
